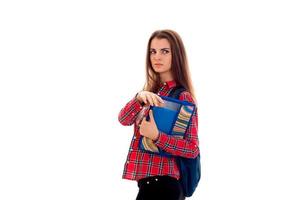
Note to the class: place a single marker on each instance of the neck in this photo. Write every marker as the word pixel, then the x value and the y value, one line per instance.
pixel 165 77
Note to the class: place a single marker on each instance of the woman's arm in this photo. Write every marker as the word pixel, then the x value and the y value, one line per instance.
pixel 187 147
pixel 129 112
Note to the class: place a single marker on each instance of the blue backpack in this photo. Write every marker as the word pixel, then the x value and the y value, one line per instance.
pixel 190 169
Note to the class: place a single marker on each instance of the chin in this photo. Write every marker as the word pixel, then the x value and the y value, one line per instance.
pixel 159 70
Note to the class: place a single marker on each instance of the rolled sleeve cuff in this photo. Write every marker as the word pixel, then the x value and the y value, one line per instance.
pixel 136 101
pixel 137 105
pixel 161 140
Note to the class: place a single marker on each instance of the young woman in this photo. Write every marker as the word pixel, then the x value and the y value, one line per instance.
pixel 166 68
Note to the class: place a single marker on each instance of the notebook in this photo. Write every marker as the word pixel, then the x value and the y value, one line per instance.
pixel 173 119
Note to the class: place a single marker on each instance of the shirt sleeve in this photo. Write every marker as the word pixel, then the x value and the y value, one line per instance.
pixel 129 112
pixel 187 147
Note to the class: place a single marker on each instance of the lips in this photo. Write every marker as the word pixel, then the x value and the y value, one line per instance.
pixel 158 64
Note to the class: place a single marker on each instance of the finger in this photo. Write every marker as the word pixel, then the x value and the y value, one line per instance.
pixel 150 100
pixel 154 100
pixel 144 99
pixel 150 115
pixel 141 133
pixel 161 104
pixel 159 99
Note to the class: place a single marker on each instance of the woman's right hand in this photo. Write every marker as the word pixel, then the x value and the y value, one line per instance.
pixel 149 98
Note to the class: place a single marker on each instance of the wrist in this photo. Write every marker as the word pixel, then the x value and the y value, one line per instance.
pixel 156 137
pixel 137 97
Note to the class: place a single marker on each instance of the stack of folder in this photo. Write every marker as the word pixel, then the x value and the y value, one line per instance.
pixel 173 119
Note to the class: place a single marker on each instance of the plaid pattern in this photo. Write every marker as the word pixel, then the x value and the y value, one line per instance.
pixel 140 164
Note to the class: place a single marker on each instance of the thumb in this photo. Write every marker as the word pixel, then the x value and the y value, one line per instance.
pixel 151 115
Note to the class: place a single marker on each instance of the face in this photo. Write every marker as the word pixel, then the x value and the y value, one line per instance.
pixel 160 56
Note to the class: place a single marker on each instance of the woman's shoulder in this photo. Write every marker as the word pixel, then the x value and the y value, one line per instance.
pixel 186 96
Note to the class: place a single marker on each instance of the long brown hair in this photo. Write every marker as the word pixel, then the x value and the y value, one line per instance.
pixel 179 63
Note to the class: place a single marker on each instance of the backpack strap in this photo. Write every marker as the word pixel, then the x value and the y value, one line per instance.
pixel 190 168
pixel 176 91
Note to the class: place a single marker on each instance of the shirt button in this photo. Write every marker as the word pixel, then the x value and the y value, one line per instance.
pixel 134 137
pixel 156 179
pixel 132 114
pixel 148 182
pixel 128 162
pixel 141 107
pixel 165 83
pixel 131 149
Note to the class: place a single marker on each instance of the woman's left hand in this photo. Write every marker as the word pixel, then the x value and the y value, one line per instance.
pixel 149 128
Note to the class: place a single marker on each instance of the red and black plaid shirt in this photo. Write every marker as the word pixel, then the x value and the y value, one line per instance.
pixel 140 164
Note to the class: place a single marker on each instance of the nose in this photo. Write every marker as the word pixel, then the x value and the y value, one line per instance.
pixel 157 56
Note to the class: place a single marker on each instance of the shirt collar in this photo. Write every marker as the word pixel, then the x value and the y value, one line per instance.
pixel 170 84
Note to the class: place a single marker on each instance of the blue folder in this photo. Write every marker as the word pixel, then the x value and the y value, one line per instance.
pixel 173 119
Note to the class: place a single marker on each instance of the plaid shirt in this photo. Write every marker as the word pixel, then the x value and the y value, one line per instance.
pixel 140 164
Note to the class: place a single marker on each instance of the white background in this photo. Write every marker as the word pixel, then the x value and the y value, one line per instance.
pixel 68 67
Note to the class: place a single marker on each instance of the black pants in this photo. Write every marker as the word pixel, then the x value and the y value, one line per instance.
pixel 159 187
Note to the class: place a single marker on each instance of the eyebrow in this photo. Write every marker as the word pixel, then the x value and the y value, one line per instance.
pixel 160 49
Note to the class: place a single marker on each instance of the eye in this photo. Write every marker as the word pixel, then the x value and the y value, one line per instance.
pixel 165 51
pixel 152 52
